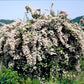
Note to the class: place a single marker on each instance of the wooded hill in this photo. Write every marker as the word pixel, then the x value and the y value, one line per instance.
pixel 6 21
pixel 77 19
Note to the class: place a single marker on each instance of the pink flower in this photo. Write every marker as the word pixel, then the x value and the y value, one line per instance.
pixel 63 12
pixel 47 9
pixel 28 9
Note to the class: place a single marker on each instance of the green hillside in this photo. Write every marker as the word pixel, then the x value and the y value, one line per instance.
pixel 77 19
pixel 6 21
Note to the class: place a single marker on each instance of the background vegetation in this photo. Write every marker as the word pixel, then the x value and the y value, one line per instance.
pixel 77 19
pixel 6 21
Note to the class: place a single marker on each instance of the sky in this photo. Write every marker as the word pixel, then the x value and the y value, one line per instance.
pixel 15 9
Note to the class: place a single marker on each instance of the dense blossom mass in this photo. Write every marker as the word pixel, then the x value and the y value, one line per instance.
pixel 30 47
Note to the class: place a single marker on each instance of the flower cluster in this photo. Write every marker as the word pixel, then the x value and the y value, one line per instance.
pixel 63 14
pixel 28 9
